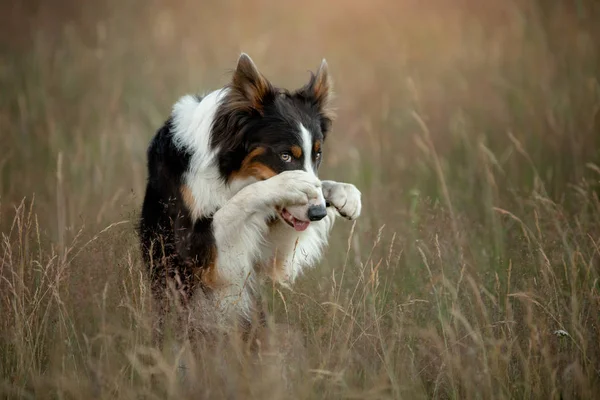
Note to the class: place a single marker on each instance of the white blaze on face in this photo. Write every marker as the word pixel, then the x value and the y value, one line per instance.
pixel 307 150
pixel 300 212
pixel 307 145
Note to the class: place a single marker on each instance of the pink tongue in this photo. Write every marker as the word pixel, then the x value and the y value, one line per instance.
pixel 300 225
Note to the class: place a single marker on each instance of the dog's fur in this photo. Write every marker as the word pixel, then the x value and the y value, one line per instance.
pixel 228 174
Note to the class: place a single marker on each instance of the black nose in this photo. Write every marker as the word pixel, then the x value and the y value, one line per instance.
pixel 316 213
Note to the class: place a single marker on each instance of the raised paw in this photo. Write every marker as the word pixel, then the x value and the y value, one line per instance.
pixel 345 197
pixel 296 187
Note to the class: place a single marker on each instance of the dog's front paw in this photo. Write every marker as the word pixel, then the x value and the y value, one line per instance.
pixel 345 197
pixel 292 188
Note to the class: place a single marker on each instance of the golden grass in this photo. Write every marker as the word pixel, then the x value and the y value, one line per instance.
pixel 472 129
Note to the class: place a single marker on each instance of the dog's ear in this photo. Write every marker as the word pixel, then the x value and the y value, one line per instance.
pixel 319 91
pixel 249 85
pixel 320 86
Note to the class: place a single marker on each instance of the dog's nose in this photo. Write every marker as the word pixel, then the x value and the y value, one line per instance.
pixel 316 213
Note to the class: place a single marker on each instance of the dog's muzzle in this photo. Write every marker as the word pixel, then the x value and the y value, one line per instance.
pixel 299 217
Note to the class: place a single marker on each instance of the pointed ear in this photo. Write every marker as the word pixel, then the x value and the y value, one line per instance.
pixel 249 84
pixel 319 90
pixel 320 85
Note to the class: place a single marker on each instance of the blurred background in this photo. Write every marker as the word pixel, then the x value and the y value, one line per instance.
pixel 472 129
pixel 94 81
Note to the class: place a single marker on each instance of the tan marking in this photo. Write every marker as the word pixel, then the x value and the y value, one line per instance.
pixel 252 168
pixel 209 275
pixel 260 171
pixel 321 88
pixel 189 201
pixel 296 151
pixel 317 146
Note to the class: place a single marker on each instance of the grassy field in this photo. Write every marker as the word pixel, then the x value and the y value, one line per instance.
pixel 472 130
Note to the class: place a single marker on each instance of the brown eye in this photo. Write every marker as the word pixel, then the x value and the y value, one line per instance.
pixel 286 157
pixel 318 156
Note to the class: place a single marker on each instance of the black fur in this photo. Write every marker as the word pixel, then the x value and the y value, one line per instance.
pixel 175 249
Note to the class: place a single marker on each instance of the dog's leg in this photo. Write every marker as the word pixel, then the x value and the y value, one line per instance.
pixel 240 226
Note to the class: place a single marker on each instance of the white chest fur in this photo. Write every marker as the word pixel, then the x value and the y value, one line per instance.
pixel 285 253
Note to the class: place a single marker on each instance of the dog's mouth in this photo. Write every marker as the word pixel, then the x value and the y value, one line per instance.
pixel 292 221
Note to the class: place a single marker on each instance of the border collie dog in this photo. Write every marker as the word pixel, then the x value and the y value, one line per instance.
pixel 233 195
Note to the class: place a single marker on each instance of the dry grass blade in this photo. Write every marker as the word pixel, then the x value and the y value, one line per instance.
pixel 471 129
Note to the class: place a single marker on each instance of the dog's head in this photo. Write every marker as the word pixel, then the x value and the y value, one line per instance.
pixel 261 130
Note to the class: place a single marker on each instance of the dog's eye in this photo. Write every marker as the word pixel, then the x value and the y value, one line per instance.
pixel 286 157
pixel 318 156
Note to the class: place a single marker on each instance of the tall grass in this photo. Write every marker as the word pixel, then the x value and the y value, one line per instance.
pixel 472 130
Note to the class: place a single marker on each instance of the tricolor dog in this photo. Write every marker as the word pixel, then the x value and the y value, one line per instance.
pixel 233 194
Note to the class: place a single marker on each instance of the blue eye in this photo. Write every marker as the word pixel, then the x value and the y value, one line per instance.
pixel 285 157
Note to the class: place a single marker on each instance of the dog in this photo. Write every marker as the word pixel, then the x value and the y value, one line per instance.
pixel 233 196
